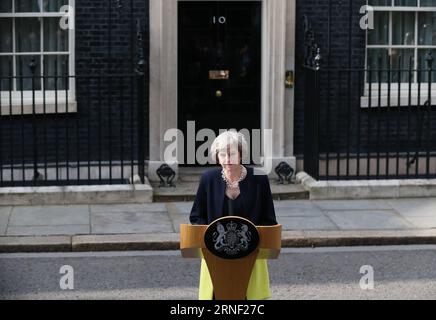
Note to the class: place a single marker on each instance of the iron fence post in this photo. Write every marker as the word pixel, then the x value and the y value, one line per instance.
pixel 32 67
pixel 140 81
pixel 312 66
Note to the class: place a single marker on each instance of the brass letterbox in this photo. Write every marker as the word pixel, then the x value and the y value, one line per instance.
pixel 219 74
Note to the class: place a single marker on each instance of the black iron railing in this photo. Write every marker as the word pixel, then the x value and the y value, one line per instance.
pixel 96 137
pixel 83 129
pixel 371 124
pixel 374 122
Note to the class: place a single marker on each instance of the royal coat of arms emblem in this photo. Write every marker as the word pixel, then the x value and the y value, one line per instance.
pixel 232 238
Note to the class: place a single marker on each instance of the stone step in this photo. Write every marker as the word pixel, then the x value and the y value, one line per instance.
pixel 186 190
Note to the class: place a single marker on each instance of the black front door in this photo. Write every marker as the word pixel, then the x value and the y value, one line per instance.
pixel 219 65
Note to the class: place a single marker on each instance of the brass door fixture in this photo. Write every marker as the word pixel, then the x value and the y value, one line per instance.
pixel 219 74
pixel 289 82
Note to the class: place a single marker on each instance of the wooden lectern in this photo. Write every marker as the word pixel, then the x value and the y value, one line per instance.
pixel 230 275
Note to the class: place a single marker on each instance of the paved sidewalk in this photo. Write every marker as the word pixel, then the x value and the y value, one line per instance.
pixel 156 225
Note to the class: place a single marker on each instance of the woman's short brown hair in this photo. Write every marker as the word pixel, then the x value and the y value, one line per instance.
pixel 226 139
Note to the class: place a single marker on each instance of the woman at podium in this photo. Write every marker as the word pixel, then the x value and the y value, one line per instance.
pixel 234 190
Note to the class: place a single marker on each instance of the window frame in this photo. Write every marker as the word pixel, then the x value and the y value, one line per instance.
pixel 413 97
pixel 50 100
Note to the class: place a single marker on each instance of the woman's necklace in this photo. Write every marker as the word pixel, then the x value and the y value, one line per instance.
pixel 234 185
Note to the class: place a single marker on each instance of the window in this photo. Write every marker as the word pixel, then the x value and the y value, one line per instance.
pixel 404 33
pixel 31 31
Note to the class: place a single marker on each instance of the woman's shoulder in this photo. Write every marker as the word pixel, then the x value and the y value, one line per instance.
pixel 211 174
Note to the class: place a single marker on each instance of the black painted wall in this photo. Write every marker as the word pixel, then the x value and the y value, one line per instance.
pixel 344 125
pixel 109 103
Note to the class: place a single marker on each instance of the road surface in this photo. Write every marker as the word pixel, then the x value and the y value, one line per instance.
pixel 403 272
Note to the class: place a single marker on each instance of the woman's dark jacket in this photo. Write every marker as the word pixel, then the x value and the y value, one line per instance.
pixel 255 192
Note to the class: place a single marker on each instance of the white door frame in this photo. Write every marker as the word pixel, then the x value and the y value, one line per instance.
pixel 278 55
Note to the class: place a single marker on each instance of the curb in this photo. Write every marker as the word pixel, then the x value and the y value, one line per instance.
pixel 366 189
pixel 35 244
pixel 128 242
pixel 170 241
pixel 73 195
pixel 305 239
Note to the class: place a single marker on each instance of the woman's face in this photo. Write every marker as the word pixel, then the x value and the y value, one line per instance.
pixel 230 158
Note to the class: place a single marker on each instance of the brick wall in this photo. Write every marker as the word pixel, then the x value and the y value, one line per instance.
pixel 109 103
pixel 344 126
